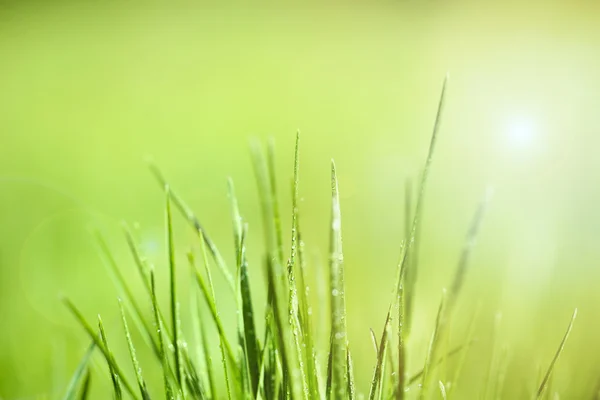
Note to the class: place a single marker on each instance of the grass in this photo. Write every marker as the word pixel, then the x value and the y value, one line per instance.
pixel 284 361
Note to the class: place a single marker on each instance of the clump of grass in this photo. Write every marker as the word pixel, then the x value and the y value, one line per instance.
pixel 283 361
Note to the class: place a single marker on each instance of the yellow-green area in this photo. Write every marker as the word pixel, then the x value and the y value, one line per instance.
pixel 89 90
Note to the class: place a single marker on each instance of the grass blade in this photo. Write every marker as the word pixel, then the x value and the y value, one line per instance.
pixel 193 220
pixel 328 383
pixel 410 284
pixel 338 304
pixel 126 292
pixel 351 385
pixel 456 350
pixel 208 293
pixel 107 355
pixel 144 272
pixel 79 373
pixel 85 387
pixel 559 351
pixel 161 343
pixel 134 360
pixel 432 349
pixel 175 320
pixel 305 315
pixel 381 351
pixel 291 373
pixel 275 201
pixel 461 270
pixel 463 357
pixel 250 340
pixel 293 306
pixel 442 390
pixel 113 374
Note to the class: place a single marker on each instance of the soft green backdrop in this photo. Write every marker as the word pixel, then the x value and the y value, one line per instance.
pixel 88 90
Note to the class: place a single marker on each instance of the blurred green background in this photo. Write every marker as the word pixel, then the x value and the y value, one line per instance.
pixel 88 90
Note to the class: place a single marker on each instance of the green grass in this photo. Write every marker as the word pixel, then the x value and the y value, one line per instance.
pixel 283 361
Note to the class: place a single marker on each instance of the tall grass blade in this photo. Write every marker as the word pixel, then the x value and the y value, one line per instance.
pixel 175 320
pixel 80 373
pixel 420 198
pixel 107 355
pixel 134 360
pixel 193 220
pixel 559 351
pixel 293 304
pixel 338 304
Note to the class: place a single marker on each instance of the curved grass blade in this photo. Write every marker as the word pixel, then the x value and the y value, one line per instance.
pixel 134 360
pixel 107 355
pixel 559 351
pixel 432 349
pixel 79 373
pixel 338 304
pixel 161 343
pixel 85 387
pixel 377 380
pixel 113 375
pixel 193 220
